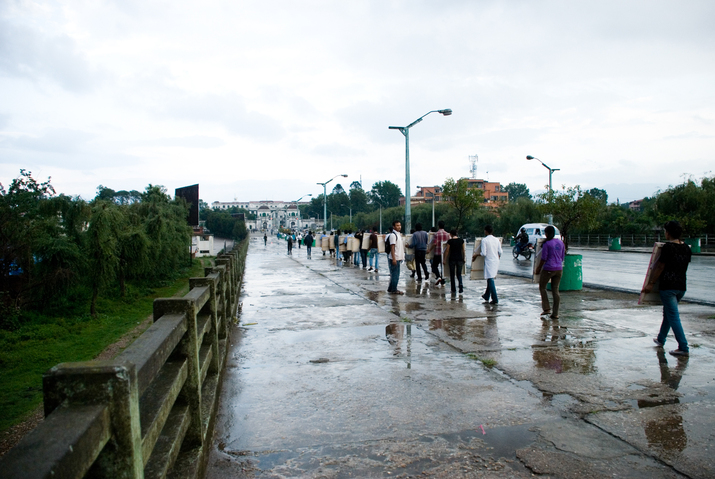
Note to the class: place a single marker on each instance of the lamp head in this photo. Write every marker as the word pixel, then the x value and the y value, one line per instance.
pixel 529 157
pixel 345 176
pixel 445 112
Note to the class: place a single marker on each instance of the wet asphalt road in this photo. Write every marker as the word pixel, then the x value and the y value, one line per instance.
pixel 626 271
pixel 329 376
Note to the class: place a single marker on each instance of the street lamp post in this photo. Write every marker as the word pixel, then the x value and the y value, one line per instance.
pixel 551 172
pixel 298 208
pixel 325 199
pixel 405 130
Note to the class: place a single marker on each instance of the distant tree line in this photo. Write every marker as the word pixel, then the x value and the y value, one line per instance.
pixel 59 251
pixel 692 203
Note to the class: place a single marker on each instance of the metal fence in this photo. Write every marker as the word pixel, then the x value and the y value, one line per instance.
pixel 707 242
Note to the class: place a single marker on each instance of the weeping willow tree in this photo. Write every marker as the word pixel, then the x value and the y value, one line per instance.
pixel 102 248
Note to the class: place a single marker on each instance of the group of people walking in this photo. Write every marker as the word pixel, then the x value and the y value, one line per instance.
pixel 449 251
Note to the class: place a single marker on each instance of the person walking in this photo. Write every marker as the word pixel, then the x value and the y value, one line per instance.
pixel 299 239
pixel 374 255
pixel 356 254
pixel 336 244
pixel 265 239
pixel 419 243
pixel 396 257
pixel 308 240
pixel 441 236
pixel 363 251
pixel 290 244
pixel 671 269
pixel 550 268
pixel 454 253
pixel 491 250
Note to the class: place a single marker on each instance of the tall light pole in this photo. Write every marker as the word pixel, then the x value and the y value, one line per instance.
pixel 298 208
pixel 405 130
pixel 325 200
pixel 551 172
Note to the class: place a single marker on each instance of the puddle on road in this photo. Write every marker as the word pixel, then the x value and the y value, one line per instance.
pixel 483 447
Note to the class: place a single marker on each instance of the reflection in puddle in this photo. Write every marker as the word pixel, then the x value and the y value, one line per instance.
pixel 578 358
pixel 373 295
pixel 666 432
pixel 399 335
pixel 484 330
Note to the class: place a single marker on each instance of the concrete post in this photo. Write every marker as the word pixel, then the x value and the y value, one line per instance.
pixel 189 346
pixel 112 383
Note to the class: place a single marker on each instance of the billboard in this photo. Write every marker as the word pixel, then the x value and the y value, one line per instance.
pixel 191 195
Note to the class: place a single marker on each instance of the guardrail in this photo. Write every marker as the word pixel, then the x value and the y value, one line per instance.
pixel 150 412
pixel 632 240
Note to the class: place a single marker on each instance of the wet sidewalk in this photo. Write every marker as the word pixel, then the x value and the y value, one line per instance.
pixel 330 376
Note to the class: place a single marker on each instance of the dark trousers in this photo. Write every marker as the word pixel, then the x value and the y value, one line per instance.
pixel 421 260
pixel 436 261
pixel 455 268
pixel 363 255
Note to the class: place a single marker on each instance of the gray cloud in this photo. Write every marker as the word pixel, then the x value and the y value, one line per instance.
pixel 57 140
pixel 31 54
pixel 336 150
pixel 227 110
pixel 196 141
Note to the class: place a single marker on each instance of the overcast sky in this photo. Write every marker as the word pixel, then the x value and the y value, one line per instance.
pixel 262 99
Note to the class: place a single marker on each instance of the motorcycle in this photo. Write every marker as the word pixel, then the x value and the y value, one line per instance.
pixel 526 251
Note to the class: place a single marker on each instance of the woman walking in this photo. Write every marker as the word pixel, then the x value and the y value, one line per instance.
pixel 671 269
pixel 550 268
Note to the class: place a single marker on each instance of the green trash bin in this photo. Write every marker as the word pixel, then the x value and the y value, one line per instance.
pixel 694 244
pixel 512 241
pixel 614 244
pixel 572 278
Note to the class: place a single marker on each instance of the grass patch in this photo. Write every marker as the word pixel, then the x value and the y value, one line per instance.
pixel 44 341
pixel 490 363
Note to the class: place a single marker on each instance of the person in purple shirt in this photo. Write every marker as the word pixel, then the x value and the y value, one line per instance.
pixel 551 268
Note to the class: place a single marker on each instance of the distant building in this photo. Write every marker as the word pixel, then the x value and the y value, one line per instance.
pixel 494 194
pixel 271 214
pixel 636 205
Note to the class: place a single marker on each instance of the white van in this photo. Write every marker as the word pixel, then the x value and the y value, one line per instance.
pixel 535 231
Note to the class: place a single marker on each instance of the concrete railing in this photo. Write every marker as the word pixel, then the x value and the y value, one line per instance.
pixel 150 412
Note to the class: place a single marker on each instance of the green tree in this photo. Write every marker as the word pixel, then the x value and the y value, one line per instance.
pixel 571 208
pixel 102 248
pixel 599 194
pixel 385 193
pixel 516 213
pixel 516 191
pixel 358 198
pixel 463 199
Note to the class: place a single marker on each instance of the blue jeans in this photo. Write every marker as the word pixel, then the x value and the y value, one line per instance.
pixel 394 275
pixel 671 318
pixel 491 291
pixel 374 256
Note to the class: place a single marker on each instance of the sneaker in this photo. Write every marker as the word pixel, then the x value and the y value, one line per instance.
pixel 370 268
pixel 376 270
pixel 485 297
pixel 660 345
pixel 679 352
pixel 461 290
pixel 497 302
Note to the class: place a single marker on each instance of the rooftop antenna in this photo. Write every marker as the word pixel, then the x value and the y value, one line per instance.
pixel 473 159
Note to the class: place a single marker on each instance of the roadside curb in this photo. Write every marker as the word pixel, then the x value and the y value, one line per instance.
pixel 616 289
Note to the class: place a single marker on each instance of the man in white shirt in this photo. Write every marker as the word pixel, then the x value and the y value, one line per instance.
pixel 491 250
pixel 395 257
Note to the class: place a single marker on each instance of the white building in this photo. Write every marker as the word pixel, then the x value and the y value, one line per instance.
pixel 271 214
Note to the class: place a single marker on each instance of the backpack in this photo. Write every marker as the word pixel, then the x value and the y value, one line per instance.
pixel 387 242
